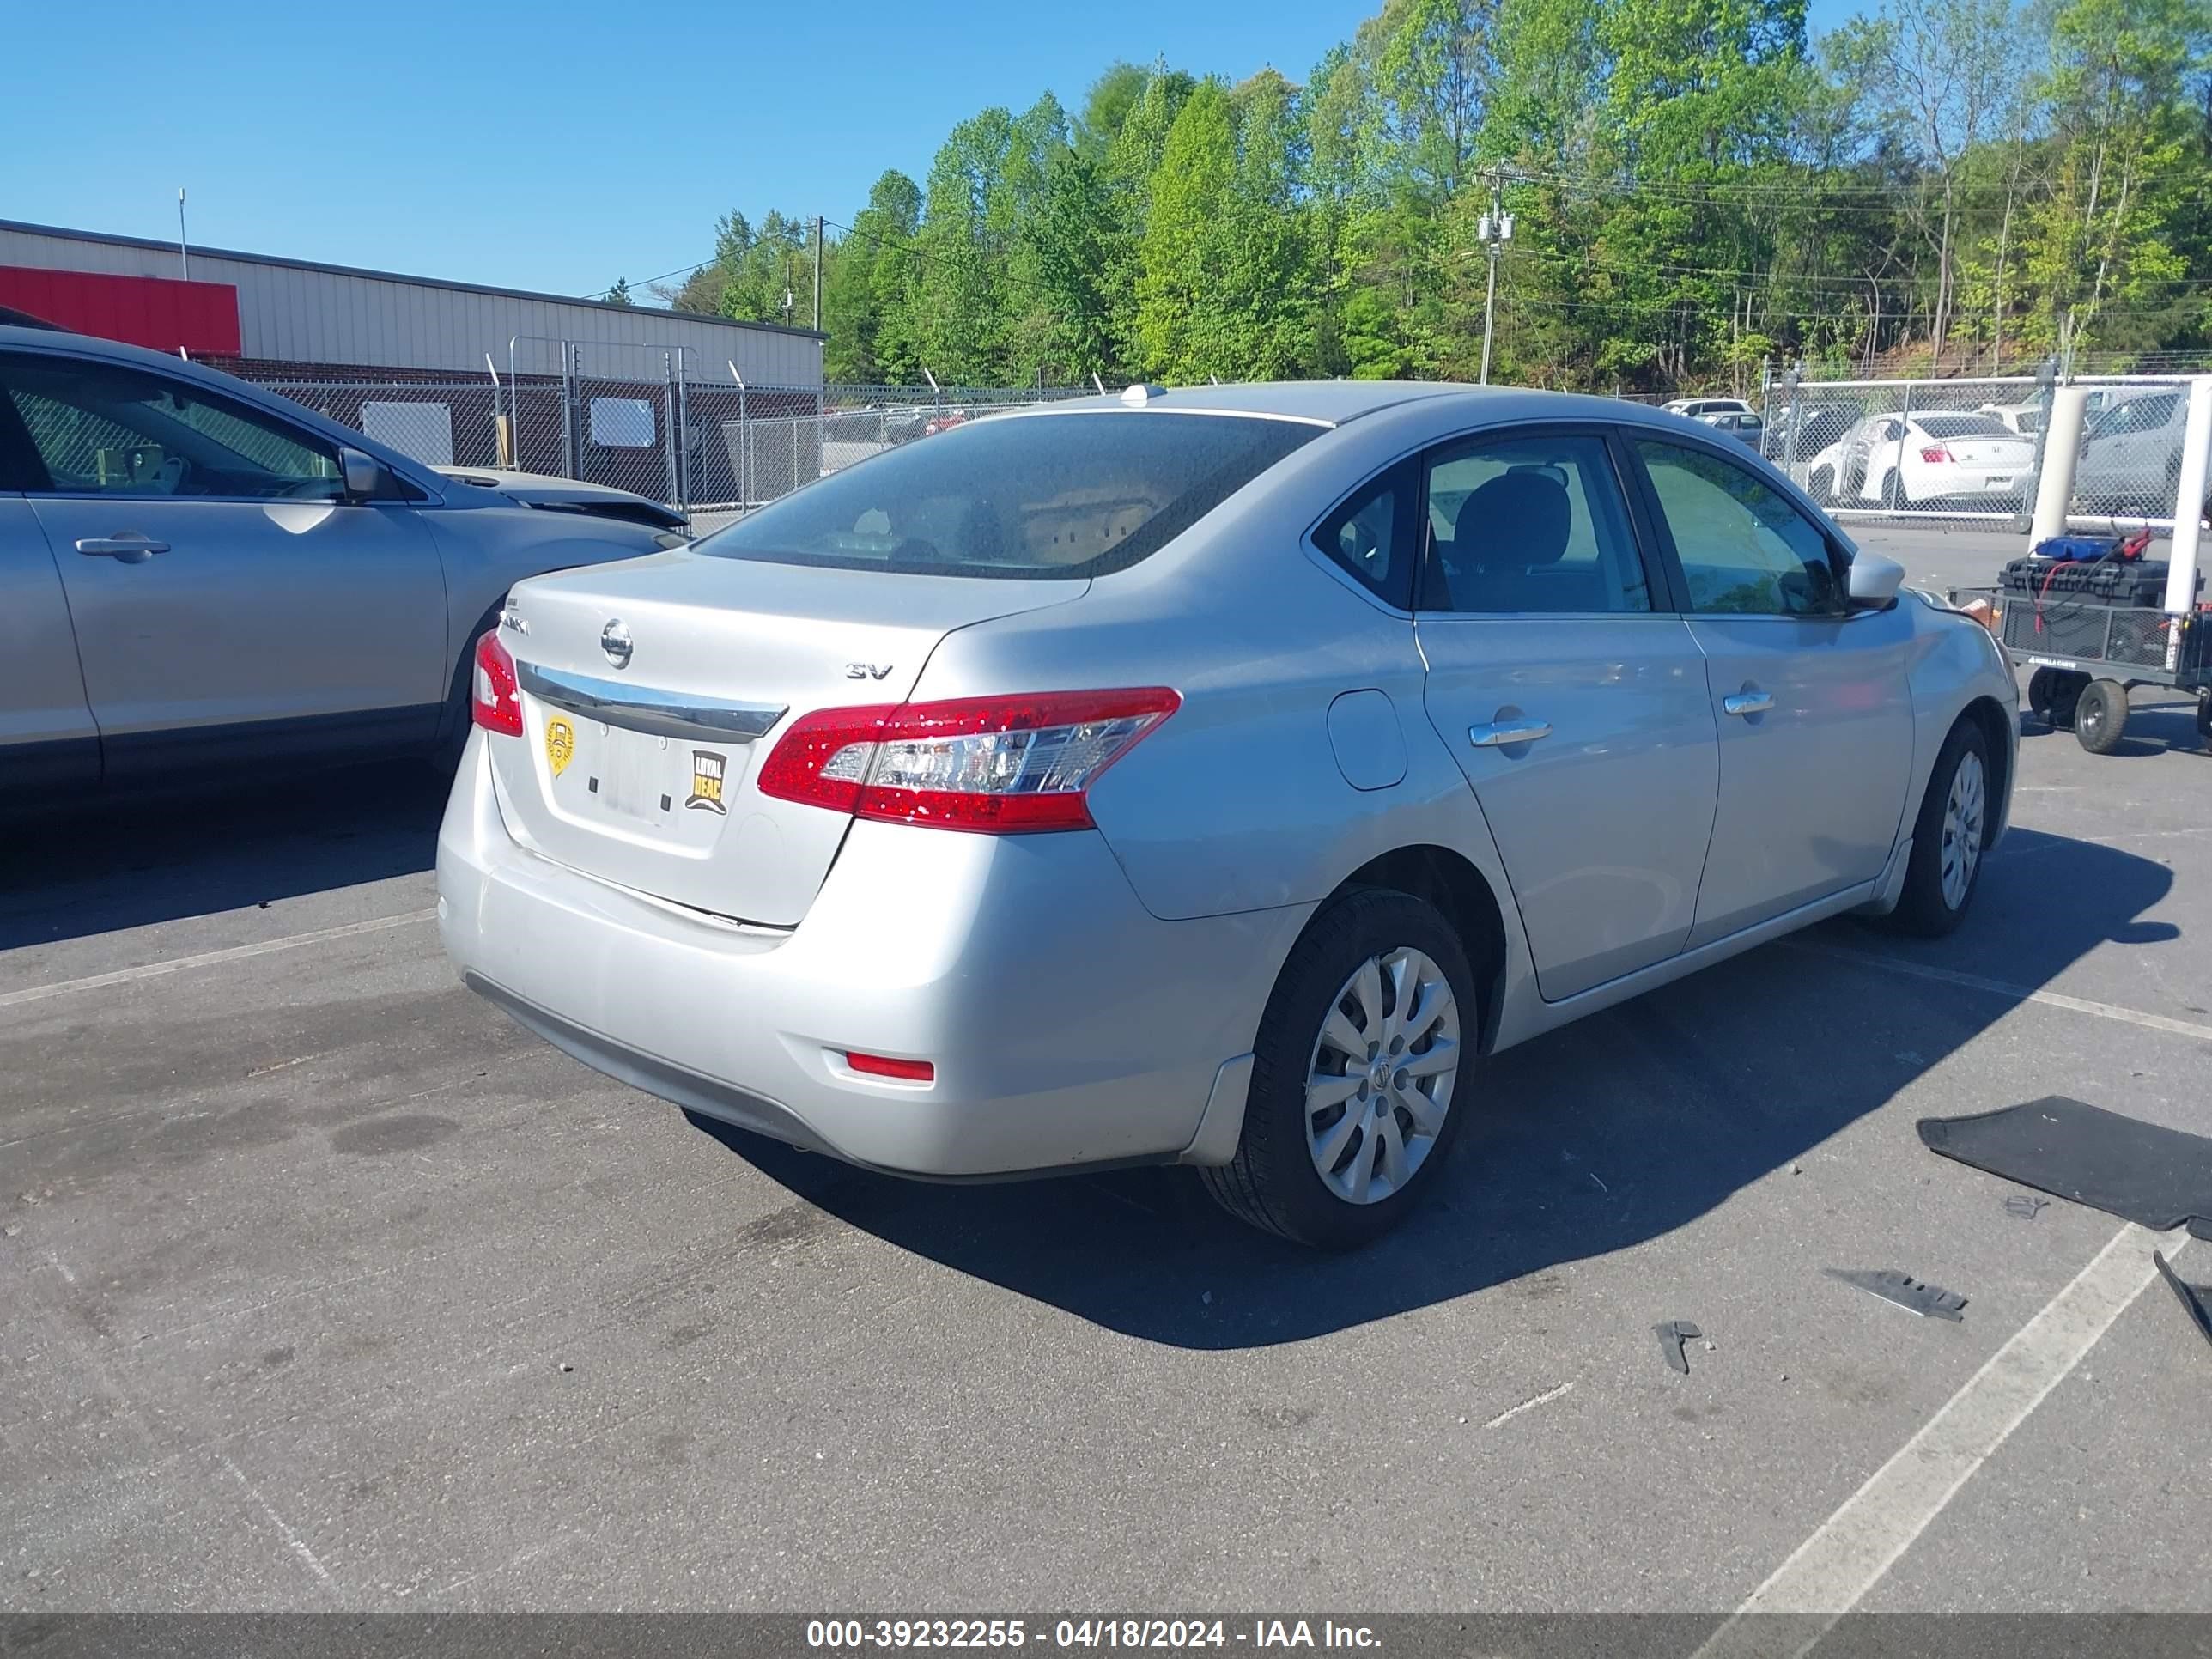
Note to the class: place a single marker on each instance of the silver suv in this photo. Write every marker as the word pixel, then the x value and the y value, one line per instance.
pixel 196 575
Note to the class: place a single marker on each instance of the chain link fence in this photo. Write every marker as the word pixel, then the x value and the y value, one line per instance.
pixel 1975 449
pixel 642 419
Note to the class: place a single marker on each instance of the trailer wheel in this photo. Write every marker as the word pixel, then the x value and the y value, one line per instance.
pixel 2052 694
pixel 2204 715
pixel 2101 717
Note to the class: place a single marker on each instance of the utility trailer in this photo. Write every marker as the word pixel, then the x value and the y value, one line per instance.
pixel 2085 655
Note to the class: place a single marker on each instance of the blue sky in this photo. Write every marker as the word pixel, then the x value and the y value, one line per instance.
pixel 551 145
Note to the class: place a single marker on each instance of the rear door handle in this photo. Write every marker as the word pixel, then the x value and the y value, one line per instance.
pixel 129 545
pixel 1499 733
pixel 1744 703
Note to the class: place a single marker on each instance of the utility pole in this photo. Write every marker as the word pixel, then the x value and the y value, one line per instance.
pixel 1495 228
pixel 184 253
pixel 818 273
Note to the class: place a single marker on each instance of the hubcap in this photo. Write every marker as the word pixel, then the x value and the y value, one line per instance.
pixel 1382 1074
pixel 1962 829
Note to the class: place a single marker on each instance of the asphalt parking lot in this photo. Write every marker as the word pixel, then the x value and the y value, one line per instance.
pixel 326 1287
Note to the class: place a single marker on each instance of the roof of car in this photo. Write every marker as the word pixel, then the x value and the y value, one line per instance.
pixel 1335 402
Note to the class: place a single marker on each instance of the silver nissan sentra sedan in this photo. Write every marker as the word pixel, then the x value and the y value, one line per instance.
pixel 1212 776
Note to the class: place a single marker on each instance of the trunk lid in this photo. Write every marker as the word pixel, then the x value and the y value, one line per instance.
pixel 639 772
pixel 2007 454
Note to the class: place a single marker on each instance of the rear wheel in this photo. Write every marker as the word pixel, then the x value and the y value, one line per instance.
pixel 1821 486
pixel 1893 491
pixel 1358 1074
pixel 2100 718
pixel 1947 838
pixel 2205 714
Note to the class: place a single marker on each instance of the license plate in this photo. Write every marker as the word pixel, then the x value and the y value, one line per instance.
pixel 663 782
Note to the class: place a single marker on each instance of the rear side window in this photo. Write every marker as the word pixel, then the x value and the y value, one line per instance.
pixel 1034 497
pixel 1369 537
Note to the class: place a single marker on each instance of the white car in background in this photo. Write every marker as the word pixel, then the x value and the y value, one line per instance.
pixel 1698 409
pixel 1904 460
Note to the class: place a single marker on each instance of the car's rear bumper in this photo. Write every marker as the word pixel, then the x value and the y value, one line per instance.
pixel 1066 1025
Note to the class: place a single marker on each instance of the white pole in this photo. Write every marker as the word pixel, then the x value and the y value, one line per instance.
pixel 2062 447
pixel 184 246
pixel 2188 509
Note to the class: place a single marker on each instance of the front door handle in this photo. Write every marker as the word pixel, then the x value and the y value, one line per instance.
pixel 1746 704
pixel 1499 733
pixel 129 546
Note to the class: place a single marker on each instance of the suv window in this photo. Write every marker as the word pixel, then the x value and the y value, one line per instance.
pixel 1020 496
pixel 1744 549
pixel 1529 523
pixel 102 428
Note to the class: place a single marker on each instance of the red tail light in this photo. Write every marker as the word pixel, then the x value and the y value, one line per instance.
pixel 994 764
pixel 1934 453
pixel 495 703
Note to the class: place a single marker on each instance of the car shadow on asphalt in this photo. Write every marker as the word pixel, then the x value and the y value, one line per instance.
pixel 132 859
pixel 1592 1140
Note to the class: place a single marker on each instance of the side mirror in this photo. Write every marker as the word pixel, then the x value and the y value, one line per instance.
pixel 366 478
pixel 1874 581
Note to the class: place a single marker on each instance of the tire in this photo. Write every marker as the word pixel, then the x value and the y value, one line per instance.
pixel 2041 687
pixel 2204 715
pixel 1316 1024
pixel 1949 836
pixel 2100 718
pixel 1821 487
pixel 1893 492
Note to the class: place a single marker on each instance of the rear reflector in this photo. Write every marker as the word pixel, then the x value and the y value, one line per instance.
pixel 494 701
pixel 908 1071
pixel 1935 453
pixel 998 765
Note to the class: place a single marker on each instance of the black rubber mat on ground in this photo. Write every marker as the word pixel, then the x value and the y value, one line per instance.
pixel 2159 1178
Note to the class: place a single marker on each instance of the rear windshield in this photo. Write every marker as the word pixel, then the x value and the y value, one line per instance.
pixel 1023 497
pixel 1963 426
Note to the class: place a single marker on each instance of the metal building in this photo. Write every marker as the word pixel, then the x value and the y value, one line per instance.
pixel 272 316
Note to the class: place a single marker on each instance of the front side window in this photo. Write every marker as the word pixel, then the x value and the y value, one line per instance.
pixel 1021 496
pixel 1529 523
pixel 104 429
pixel 1744 549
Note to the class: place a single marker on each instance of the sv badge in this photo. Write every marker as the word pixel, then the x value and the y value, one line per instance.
pixel 866 671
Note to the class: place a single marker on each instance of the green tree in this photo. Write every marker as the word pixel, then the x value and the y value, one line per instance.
pixel 853 298
pixel 619 293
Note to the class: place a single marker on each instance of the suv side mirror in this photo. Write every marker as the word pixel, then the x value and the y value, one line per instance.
pixel 1874 581
pixel 366 478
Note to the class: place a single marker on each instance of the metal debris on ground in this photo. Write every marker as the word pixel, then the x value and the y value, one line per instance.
pixel 2024 1207
pixel 1672 1334
pixel 2194 1297
pixel 1929 1301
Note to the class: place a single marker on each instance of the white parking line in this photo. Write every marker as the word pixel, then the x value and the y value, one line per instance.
pixel 1830 1571
pixel 210 958
pixel 2018 992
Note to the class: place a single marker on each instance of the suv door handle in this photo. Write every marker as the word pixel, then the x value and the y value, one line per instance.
pixel 129 545
pixel 1499 733
pixel 1746 704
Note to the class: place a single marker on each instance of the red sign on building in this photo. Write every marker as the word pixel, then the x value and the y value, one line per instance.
pixel 159 312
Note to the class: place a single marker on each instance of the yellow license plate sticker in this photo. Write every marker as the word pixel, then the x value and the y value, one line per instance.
pixel 559 745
